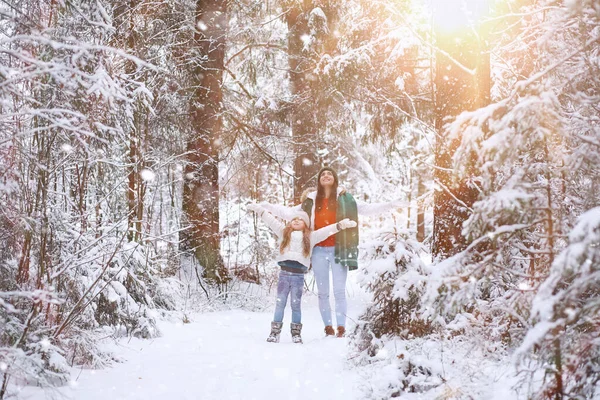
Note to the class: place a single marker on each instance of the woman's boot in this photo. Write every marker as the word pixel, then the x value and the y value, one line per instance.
pixel 275 332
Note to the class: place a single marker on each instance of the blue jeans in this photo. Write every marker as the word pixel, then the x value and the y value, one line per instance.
pixel 289 282
pixel 323 258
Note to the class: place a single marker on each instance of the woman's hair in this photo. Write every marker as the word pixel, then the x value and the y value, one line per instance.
pixel 332 203
pixel 287 237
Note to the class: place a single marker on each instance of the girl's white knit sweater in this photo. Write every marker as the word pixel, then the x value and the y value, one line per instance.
pixel 294 250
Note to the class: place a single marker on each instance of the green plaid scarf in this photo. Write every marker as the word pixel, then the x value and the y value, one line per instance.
pixel 346 241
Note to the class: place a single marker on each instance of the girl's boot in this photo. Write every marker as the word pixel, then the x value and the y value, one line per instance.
pixel 275 332
pixel 296 329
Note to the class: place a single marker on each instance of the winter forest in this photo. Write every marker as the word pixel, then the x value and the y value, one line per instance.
pixel 136 136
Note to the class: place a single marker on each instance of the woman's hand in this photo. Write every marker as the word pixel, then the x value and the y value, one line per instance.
pixel 346 223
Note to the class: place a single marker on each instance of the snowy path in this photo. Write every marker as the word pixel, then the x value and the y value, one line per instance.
pixel 222 355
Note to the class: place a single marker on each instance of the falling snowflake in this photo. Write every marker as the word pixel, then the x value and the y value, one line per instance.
pixel 400 83
pixel 306 40
pixel 45 343
pixel 147 175
pixel 67 148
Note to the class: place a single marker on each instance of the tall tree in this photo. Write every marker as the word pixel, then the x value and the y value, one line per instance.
pixel 302 118
pixel 201 188
pixel 462 82
pixel 310 37
pixel 126 14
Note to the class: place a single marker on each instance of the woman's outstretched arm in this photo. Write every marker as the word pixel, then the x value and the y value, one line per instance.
pixel 372 209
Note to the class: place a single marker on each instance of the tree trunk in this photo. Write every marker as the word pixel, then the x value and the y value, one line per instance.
pixel 310 98
pixel 201 175
pixel 420 211
pixel 557 392
pixel 304 132
pixel 410 192
pixel 456 91
pixel 135 202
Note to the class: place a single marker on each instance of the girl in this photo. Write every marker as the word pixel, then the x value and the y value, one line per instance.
pixel 296 243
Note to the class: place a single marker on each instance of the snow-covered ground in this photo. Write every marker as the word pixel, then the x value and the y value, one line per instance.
pixel 223 355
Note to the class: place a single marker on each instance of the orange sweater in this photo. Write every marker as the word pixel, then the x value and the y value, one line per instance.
pixel 323 218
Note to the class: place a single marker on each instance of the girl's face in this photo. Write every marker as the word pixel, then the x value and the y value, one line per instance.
pixel 326 179
pixel 297 224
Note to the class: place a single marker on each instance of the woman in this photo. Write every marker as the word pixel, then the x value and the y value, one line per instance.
pixel 338 253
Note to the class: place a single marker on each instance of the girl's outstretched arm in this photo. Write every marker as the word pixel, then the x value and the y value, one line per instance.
pixel 283 212
pixel 272 222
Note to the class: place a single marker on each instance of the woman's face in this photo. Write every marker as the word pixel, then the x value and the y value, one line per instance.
pixel 297 224
pixel 326 179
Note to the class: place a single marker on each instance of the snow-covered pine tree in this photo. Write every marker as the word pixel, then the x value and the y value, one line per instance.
pixel 563 339
pixel 513 225
pixel 527 176
pixel 67 105
pixel 563 344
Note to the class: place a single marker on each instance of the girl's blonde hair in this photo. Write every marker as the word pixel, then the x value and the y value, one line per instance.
pixel 287 237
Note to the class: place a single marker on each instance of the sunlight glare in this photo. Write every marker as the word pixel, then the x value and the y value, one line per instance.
pixel 455 15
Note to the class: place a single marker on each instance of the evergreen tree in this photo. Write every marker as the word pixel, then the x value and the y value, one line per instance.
pixel 563 340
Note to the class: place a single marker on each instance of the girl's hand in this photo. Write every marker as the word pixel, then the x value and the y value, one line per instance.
pixel 346 223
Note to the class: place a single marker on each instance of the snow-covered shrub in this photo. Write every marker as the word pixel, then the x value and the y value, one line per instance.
pixel 564 339
pixel 28 354
pixel 398 367
pixel 394 275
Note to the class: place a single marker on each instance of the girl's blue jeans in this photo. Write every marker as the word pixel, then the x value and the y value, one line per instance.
pixel 289 283
pixel 323 259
